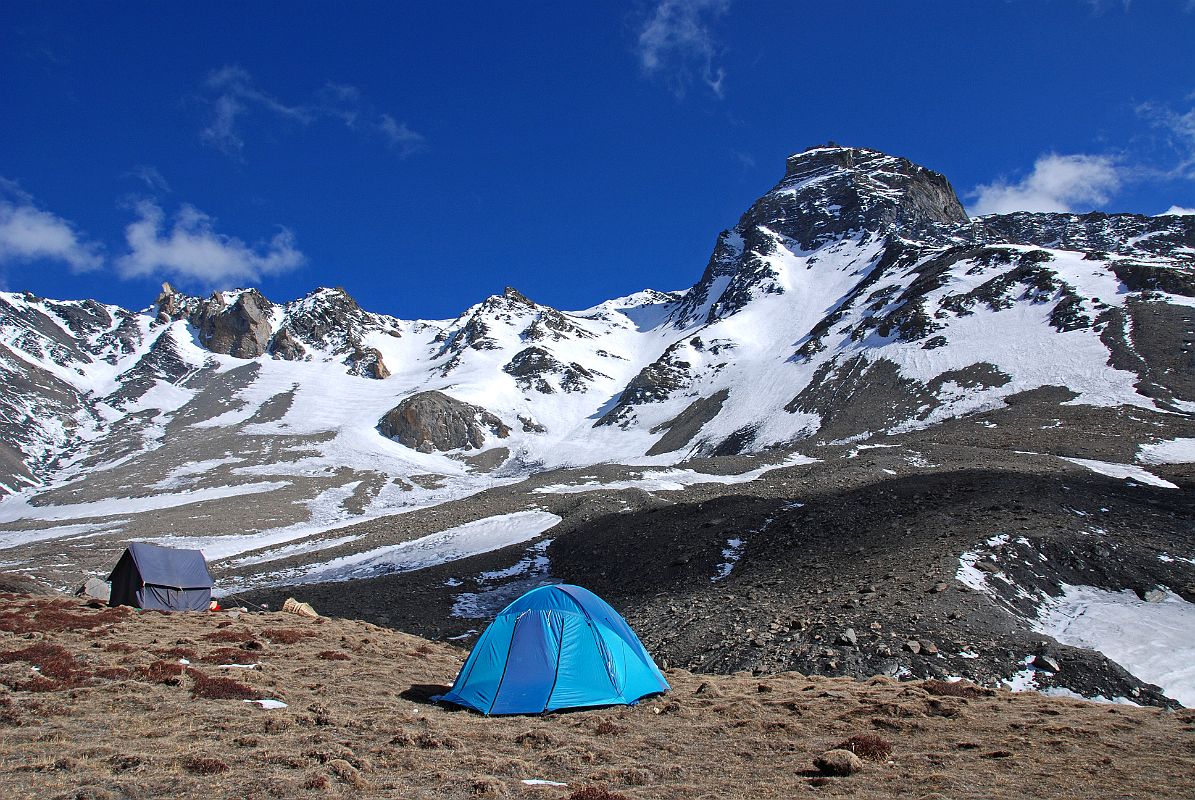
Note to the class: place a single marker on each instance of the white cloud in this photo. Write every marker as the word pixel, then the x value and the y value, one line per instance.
pixel 1178 211
pixel 233 95
pixel 191 251
pixel 676 45
pixel 27 233
pixel 1057 183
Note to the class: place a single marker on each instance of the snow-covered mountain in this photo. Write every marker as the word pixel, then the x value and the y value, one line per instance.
pixel 854 297
pixel 937 376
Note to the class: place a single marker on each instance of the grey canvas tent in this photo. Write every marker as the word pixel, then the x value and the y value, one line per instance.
pixel 161 578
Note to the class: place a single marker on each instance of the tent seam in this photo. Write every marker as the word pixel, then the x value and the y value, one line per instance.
pixel 506 661
pixel 556 672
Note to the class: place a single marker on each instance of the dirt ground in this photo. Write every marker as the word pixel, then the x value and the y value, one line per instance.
pixel 97 703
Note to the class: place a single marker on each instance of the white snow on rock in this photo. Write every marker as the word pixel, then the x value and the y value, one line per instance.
pixel 672 480
pixel 1173 451
pixel 732 553
pixel 462 541
pixel 1154 641
pixel 1126 471
pixel 17 507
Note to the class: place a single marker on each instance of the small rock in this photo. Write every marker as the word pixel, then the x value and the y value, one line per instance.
pixel 928 647
pixel 838 762
pixel 1043 661
pixel 848 637
pixel 707 689
pixel 913 646
pixel 938 587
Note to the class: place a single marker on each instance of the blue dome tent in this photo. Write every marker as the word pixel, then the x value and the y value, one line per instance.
pixel 555 647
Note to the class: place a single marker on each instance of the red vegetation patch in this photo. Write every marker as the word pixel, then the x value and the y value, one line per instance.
pixel 51 660
pixel 177 652
pixel 286 635
pixel 867 745
pixel 224 655
pixel 114 673
pixel 607 728
pixel 596 793
pixel 8 712
pixel 166 672
pixel 36 684
pixel 332 655
pixel 198 765
pixel 51 616
pixel 228 636
pixel 211 688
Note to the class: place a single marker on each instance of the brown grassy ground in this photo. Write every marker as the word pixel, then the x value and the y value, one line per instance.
pixel 110 712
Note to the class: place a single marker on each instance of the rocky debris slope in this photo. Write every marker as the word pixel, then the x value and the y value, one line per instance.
pixel 129 705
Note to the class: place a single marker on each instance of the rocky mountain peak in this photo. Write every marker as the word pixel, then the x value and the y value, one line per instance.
pixel 828 194
pixel 515 296
pixel 866 190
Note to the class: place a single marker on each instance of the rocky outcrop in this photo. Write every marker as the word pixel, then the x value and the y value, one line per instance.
pixel 240 329
pixel 366 362
pixel 531 367
pixel 434 421
pixel 286 347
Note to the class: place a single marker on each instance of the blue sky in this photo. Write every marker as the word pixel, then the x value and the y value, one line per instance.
pixel 424 157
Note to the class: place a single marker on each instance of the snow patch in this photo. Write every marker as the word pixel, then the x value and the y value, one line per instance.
pixel 453 544
pixel 1153 641
pixel 1173 451
pixel 1126 471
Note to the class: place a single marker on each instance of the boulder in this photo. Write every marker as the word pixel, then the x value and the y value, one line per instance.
pixel 95 589
pixel 434 421
pixel 838 762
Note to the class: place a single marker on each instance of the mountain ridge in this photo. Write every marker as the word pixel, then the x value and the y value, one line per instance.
pixel 853 256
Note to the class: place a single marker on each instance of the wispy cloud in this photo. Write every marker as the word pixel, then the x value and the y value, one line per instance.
pixel 1179 129
pixel 191 251
pixel 675 45
pixel 1057 183
pixel 28 233
pixel 150 177
pixel 233 95
pixel 1178 211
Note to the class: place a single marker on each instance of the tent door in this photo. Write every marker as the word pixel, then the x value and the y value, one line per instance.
pixel 531 664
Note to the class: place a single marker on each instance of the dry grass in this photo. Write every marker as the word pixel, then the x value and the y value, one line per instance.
pixel 107 715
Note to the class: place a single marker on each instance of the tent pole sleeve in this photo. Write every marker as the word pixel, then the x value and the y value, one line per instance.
pixel 514 630
pixel 556 673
